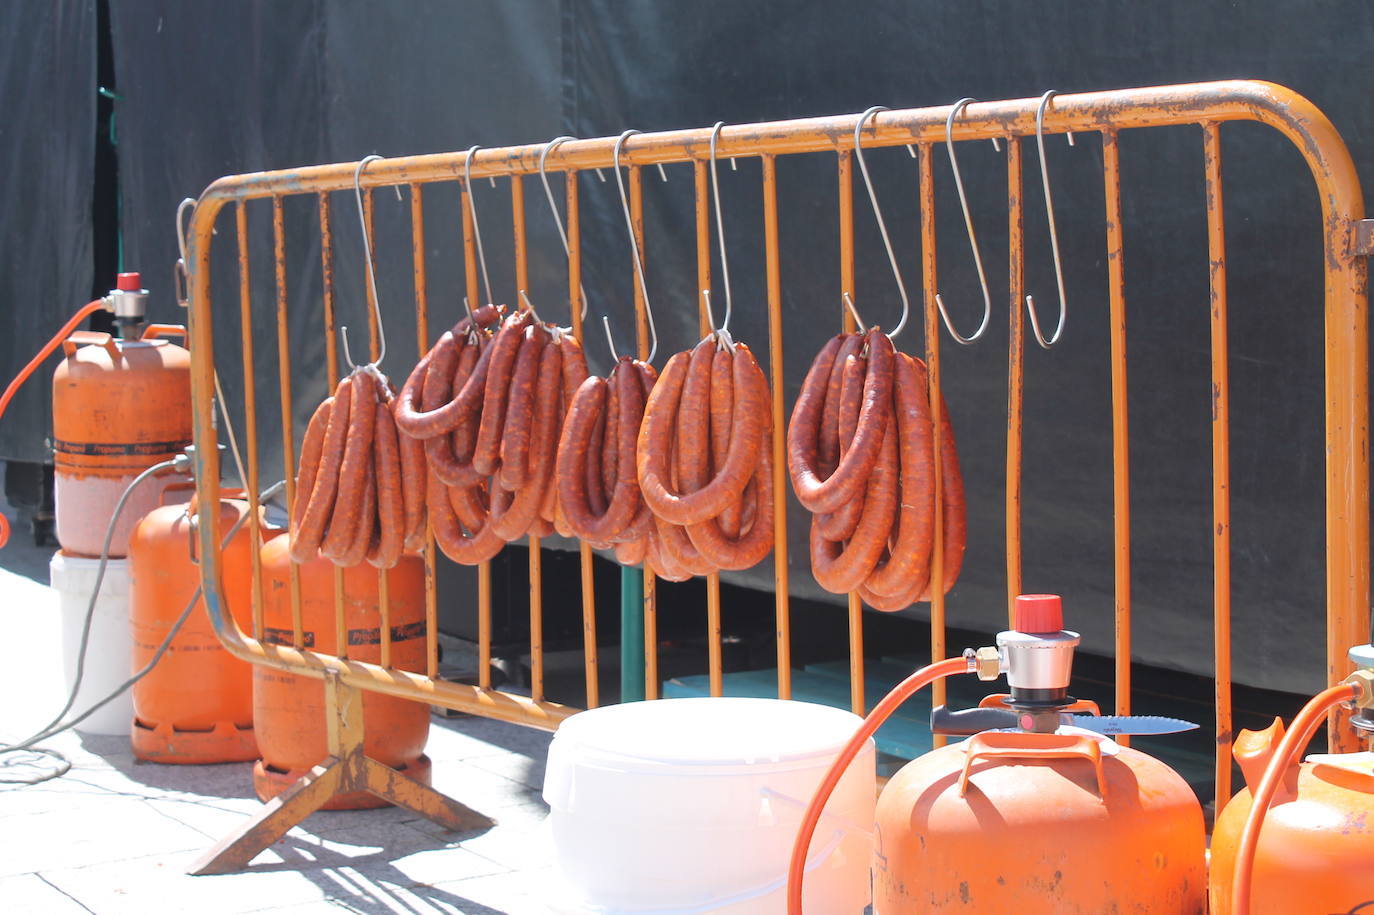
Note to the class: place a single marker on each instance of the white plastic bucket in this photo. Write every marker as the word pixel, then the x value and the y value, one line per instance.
pixel 109 649
pixel 685 806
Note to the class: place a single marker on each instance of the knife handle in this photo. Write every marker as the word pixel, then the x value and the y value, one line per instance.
pixel 969 721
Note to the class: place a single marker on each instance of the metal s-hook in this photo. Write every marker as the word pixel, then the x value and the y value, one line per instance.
pixel 878 214
pixel 634 243
pixel 553 207
pixel 720 234
pixel 371 276
pixel 1054 234
pixel 180 281
pixel 610 341
pixel 476 228
pixel 972 237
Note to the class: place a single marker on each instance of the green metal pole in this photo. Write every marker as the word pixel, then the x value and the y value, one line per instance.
pixel 631 634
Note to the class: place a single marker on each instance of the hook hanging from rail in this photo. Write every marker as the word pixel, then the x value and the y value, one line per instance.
pixel 972 237
pixel 878 214
pixel 476 228
pixel 1054 234
pixel 371 276
pixel 634 244
pixel 180 281
pixel 553 207
pixel 720 234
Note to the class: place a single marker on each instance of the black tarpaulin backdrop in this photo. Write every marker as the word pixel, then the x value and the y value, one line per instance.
pixel 211 89
pixel 47 147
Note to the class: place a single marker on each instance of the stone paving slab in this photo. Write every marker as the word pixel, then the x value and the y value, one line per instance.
pixel 115 835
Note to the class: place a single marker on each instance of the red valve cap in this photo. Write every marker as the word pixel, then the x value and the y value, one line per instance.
pixel 129 282
pixel 1038 613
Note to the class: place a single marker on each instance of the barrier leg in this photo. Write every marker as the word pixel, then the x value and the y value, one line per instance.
pixel 346 770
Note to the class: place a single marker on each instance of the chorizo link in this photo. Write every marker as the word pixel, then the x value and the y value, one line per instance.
pixel 391 519
pixel 504 349
pixel 852 473
pixel 483 543
pixel 306 539
pixel 343 525
pixel 694 419
pixel 515 436
pixel 516 519
pixel 955 527
pixel 364 532
pixel 751 396
pixel 748 550
pixel 840 524
pixel 722 425
pixel 830 439
pixel 308 467
pixel 842 567
pixel 907 569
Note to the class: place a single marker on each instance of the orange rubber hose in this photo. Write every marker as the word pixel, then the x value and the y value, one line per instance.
pixel 82 313
pixel 1299 734
pixel 900 693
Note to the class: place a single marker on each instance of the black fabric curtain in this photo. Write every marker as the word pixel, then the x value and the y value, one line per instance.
pixel 47 145
pixel 212 89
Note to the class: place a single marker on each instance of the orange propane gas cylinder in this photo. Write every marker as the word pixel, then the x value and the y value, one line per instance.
pixel 196 705
pixel 288 711
pixel 1316 846
pixel 119 406
pixel 1038 823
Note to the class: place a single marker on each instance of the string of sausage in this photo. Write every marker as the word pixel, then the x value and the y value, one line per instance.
pixel 861 458
pixel 702 463
pixel 357 493
pixel 485 412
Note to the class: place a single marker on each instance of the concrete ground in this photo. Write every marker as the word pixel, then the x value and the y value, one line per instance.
pixel 115 835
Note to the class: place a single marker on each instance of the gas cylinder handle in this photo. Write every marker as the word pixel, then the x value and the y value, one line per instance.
pixel 1005 745
pixel 1003 700
pixel 90 338
pixel 183 486
pixel 158 331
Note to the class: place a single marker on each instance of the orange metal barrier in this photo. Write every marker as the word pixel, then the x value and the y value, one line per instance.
pixel 1206 105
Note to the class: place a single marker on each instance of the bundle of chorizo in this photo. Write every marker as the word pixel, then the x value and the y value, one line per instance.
pixel 704 464
pixel 358 495
pixel 598 494
pixel 486 411
pixel 861 456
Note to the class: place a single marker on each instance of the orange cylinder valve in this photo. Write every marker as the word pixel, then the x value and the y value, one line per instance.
pixel 119 406
pixel 289 712
pixel 196 705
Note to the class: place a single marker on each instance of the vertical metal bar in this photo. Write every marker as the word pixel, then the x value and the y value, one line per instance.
pixel 374 349
pixel 702 189
pixel 250 411
pixel 1016 364
pixel 845 176
pixel 522 284
pixel 331 342
pixel 642 612
pixel 288 435
pixel 483 569
pixel 1121 463
pixel 331 350
pixel 417 250
pixel 930 280
pixel 781 591
pixel 1221 460
pixel 590 654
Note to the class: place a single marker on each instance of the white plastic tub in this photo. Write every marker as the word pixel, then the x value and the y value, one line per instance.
pixel 691 805
pixel 109 650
